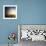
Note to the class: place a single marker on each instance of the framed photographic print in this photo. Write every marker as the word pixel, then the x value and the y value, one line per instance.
pixel 9 11
pixel 31 32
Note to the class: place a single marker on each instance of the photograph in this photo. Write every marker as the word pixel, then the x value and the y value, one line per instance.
pixel 31 33
pixel 9 11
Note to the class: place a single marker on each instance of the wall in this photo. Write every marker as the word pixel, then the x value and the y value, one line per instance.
pixel 33 12
pixel 7 26
pixel 29 12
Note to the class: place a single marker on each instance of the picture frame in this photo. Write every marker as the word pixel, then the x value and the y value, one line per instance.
pixel 9 11
pixel 36 32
